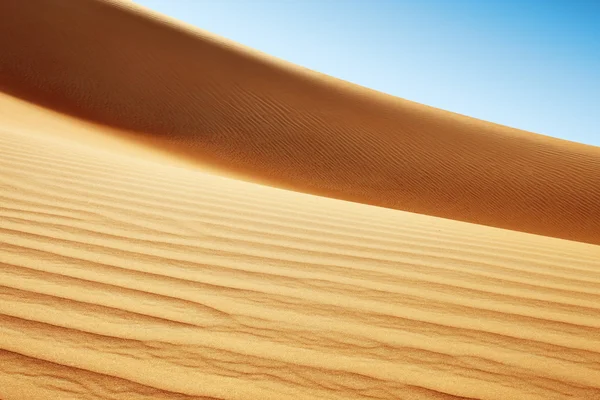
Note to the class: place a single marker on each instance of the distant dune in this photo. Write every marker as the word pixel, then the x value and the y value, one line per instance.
pixel 216 102
pixel 129 270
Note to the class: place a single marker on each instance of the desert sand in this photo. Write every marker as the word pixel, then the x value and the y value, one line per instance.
pixel 217 102
pixel 151 247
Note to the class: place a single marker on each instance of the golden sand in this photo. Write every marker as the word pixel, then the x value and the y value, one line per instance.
pixel 130 270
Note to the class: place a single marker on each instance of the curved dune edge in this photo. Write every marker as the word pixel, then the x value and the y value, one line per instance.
pixel 185 91
pixel 123 278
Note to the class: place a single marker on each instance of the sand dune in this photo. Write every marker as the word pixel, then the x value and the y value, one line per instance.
pixel 127 273
pixel 126 278
pixel 216 102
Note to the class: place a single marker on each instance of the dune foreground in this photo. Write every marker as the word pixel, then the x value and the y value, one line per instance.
pixel 130 270
pixel 216 102
pixel 127 278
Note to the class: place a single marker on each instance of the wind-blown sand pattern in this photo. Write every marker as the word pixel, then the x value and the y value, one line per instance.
pixel 129 279
pixel 214 101
pixel 129 274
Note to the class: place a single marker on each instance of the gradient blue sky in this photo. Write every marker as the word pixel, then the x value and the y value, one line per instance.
pixel 529 64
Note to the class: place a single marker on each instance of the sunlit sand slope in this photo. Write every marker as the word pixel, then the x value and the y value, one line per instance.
pixel 213 101
pixel 128 279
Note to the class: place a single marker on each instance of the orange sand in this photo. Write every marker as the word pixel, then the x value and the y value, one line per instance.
pixel 128 273
pixel 187 91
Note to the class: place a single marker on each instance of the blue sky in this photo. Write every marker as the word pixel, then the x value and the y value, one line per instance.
pixel 529 64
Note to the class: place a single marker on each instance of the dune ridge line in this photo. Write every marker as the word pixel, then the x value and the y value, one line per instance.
pixel 186 91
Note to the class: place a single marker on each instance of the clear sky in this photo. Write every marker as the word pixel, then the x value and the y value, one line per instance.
pixel 529 64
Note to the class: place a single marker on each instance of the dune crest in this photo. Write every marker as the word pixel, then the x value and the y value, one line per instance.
pixel 186 91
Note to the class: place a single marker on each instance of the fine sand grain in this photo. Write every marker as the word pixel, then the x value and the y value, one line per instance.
pixel 130 272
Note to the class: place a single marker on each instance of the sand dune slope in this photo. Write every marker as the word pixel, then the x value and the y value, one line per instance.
pixel 220 104
pixel 128 279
